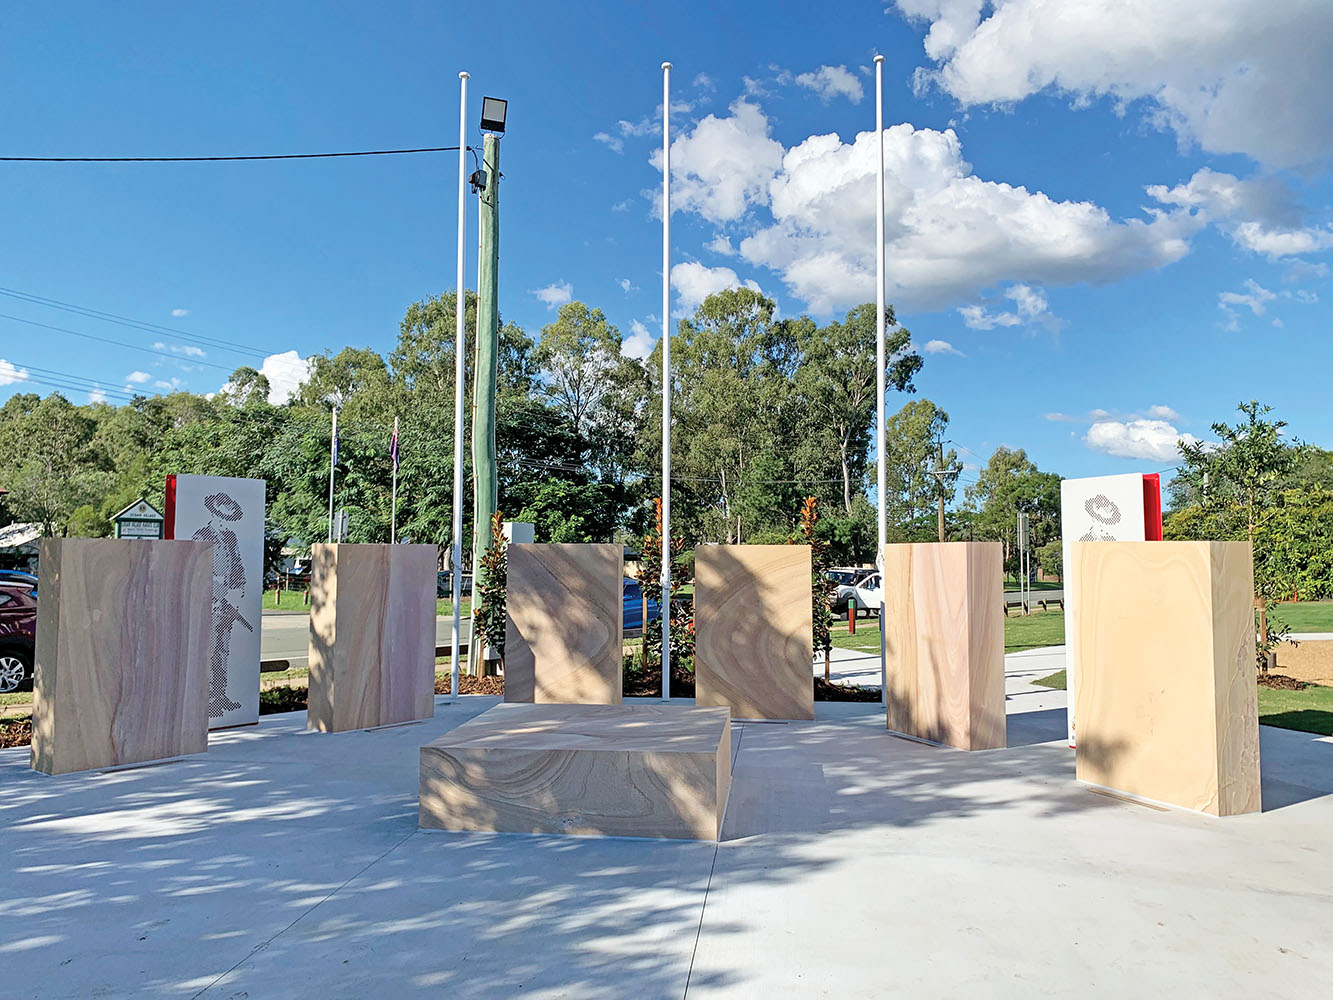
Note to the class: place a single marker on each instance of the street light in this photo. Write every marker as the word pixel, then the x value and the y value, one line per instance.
pixel 493 110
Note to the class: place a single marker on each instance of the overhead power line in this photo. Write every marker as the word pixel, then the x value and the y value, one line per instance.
pixel 227 159
pixel 67 382
pixel 186 359
pixel 136 324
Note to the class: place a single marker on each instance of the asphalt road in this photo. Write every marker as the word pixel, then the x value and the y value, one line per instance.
pixel 286 637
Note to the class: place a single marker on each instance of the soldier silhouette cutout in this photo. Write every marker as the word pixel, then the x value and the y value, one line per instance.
pixel 229 584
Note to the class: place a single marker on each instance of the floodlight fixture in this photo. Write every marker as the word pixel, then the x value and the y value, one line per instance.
pixel 493 110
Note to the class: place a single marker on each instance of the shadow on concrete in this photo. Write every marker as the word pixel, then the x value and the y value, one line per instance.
pixel 1048 725
pixel 290 863
pixel 1294 767
pixel 286 863
pixel 831 775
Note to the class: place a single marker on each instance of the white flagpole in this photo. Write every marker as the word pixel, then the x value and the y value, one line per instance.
pixel 460 346
pixel 333 461
pixel 882 482
pixel 666 381
pixel 393 516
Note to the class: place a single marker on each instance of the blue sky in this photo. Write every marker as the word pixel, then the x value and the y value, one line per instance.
pixel 1108 223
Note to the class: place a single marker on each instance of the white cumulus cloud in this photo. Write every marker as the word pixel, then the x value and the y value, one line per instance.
pixel 185 350
pixel 178 313
pixel 693 282
pixel 1255 297
pixel 980 318
pixel 723 165
pixel 640 342
pixel 96 394
pixel 555 294
pixel 285 373
pixel 941 347
pixel 809 212
pixel 1232 76
pixel 1138 438
pixel 1260 214
pixel 1031 306
pixel 10 373
pixel 720 244
pixel 832 81
pixel 137 378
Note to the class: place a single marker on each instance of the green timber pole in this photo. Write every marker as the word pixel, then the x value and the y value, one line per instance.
pixel 485 486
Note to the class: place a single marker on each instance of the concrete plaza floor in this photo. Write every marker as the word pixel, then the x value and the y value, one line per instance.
pixel 852 864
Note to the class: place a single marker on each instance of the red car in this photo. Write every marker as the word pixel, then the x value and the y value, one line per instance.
pixel 18 632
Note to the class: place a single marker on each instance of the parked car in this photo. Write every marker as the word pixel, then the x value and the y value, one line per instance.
pixel 868 594
pixel 846 578
pixel 632 606
pixel 444 585
pixel 293 579
pixel 18 632
pixel 18 576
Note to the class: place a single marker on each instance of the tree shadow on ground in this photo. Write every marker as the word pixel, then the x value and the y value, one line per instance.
pixel 1048 725
pixel 289 863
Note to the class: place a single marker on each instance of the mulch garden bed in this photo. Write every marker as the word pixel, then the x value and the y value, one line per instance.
pixel 467 684
pixel 828 691
pixel 16 734
pixel 648 684
pixel 1282 682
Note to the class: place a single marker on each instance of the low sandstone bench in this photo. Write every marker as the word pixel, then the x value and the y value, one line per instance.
pixel 600 770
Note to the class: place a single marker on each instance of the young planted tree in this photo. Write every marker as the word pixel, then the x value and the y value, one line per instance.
pixel 650 582
pixel 1238 488
pixel 491 614
pixel 821 587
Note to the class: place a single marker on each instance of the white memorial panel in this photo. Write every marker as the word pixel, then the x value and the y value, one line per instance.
pixel 1096 509
pixel 230 514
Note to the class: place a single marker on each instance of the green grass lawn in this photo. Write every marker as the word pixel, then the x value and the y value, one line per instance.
pixel 293 600
pixel 1012 583
pixel 1047 628
pixel 286 600
pixel 1307 616
pixel 1309 711
pixel 1055 681
pixel 1041 628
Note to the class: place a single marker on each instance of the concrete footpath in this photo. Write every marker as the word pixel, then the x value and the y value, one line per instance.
pixel 852 864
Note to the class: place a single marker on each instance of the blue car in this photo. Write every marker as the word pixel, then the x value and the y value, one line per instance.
pixel 632 606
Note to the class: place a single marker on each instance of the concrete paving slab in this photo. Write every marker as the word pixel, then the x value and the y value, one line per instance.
pixel 853 863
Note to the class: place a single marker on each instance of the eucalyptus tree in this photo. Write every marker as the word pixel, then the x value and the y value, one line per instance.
pixel 836 380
